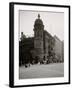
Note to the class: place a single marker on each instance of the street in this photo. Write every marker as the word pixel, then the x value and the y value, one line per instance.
pixel 42 71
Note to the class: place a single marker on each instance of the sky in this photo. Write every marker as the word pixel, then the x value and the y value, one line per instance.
pixel 53 22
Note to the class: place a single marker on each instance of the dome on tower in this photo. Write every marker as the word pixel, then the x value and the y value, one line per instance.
pixel 39 21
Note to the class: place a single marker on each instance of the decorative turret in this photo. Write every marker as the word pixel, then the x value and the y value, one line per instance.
pixel 38 20
pixel 38 27
pixel 38 16
pixel 38 37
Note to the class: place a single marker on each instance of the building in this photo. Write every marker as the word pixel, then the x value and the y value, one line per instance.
pixel 62 51
pixel 42 47
pixel 58 48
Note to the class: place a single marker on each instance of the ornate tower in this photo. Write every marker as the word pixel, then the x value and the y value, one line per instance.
pixel 38 37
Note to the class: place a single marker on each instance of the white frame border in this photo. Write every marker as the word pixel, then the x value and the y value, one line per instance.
pixel 16 45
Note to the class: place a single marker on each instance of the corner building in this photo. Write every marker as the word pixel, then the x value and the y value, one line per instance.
pixel 42 47
pixel 43 41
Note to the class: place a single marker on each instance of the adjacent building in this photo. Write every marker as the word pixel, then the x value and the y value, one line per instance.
pixel 58 49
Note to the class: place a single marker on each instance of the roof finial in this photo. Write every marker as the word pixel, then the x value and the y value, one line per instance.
pixel 38 16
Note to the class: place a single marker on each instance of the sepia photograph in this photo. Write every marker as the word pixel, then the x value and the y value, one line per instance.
pixel 39 44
